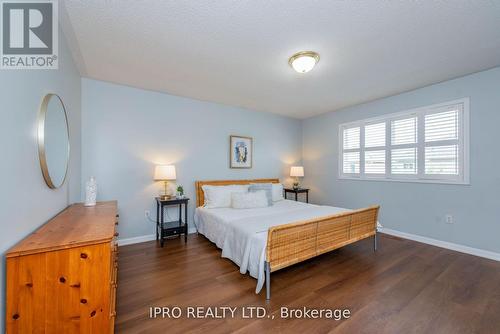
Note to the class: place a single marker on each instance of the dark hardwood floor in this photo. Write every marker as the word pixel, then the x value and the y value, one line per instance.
pixel 405 287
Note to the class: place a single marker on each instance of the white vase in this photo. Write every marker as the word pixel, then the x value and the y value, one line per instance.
pixel 90 192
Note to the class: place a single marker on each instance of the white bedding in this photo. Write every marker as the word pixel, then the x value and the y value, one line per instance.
pixel 242 233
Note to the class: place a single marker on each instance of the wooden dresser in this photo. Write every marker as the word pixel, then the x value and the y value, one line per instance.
pixel 62 278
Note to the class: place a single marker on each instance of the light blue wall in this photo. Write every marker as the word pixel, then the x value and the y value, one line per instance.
pixel 419 208
pixel 25 201
pixel 126 131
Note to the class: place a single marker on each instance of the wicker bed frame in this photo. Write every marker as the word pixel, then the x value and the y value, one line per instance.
pixel 296 242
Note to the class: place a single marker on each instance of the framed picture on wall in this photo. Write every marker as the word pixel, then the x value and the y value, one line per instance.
pixel 240 151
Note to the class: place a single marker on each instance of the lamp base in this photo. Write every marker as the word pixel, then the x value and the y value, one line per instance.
pixel 165 197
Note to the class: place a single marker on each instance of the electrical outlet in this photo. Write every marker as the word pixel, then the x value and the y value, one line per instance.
pixel 448 219
pixel 147 213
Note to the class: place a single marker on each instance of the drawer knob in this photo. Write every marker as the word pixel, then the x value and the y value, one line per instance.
pixel 93 313
pixel 117 234
pixel 83 301
pixel 15 316
pixel 83 255
pixel 62 279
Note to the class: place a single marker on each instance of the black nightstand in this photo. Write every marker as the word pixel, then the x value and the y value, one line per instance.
pixel 166 229
pixel 296 192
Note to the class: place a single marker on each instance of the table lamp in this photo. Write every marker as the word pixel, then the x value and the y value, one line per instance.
pixel 165 173
pixel 296 171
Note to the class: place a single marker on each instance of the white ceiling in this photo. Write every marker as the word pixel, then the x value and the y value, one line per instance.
pixel 236 52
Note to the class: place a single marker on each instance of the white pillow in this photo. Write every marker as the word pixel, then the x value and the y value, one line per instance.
pixel 220 196
pixel 277 192
pixel 250 200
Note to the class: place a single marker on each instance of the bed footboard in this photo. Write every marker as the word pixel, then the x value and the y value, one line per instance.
pixel 295 242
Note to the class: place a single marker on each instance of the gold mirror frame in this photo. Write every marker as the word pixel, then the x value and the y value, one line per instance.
pixel 41 140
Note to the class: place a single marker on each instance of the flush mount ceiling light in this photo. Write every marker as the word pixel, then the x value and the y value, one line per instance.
pixel 303 61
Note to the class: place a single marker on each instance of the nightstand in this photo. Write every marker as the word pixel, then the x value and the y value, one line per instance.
pixel 166 229
pixel 296 192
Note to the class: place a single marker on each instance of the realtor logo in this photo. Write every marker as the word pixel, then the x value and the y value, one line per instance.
pixel 29 34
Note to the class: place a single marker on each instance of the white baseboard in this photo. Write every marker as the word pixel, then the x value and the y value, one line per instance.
pixel 439 243
pixel 443 244
pixel 136 240
pixel 142 238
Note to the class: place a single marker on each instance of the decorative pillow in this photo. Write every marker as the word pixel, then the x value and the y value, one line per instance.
pixel 220 196
pixel 267 187
pixel 250 200
pixel 277 192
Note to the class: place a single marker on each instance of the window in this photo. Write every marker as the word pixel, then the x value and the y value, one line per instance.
pixel 428 144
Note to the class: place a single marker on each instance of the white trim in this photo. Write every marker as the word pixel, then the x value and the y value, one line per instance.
pixel 466 139
pixel 407 112
pixel 136 240
pixel 403 178
pixel 143 238
pixel 443 244
pixel 463 178
pixel 439 243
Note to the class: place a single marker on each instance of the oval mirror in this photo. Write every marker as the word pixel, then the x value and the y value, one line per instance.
pixel 53 140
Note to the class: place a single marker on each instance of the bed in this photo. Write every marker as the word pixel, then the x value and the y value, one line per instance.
pixel 263 240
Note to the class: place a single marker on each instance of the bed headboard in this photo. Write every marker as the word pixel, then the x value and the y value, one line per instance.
pixel 200 198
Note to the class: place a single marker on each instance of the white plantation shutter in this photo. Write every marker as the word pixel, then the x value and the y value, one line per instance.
pixel 442 142
pixel 428 144
pixel 351 163
pixel 404 161
pixel 351 142
pixel 404 131
pixel 375 135
pixel 351 138
pixel 404 139
pixel 441 126
pixel 375 162
pixel 441 160
pixel 374 148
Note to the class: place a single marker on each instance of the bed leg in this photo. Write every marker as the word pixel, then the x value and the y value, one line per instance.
pixel 375 242
pixel 267 269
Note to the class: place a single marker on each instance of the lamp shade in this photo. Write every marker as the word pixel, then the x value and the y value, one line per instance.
pixel 297 171
pixel 165 172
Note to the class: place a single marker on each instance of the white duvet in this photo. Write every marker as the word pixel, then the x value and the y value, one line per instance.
pixel 242 233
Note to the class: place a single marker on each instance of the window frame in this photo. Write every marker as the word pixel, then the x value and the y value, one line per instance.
pixel 420 177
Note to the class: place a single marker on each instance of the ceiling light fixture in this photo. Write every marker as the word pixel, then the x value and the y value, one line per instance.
pixel 303 61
